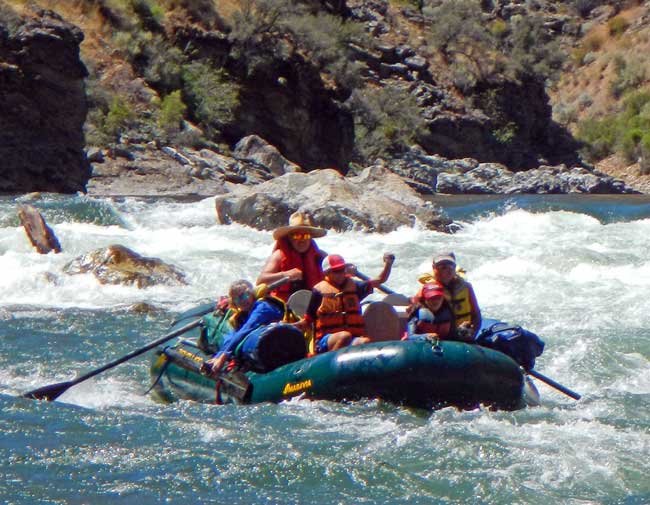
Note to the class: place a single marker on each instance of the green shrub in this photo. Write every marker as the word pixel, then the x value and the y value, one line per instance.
pixel 460 32
pixel 623 132
pixel 645 154
pixel 506 133
pixel 119 117
pixel 9 19
pixel 211 95
pixel 172 110
pixel 628 76
pixel 164 64
pixel 499 28
pixel 327 38
pixel 531 50
pixel 275 28
pixel 387 120
pixel 628 142
pixel 617 26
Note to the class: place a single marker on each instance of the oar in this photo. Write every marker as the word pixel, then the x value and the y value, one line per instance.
pixel 554 384
pixel 398 298
pixel 53 391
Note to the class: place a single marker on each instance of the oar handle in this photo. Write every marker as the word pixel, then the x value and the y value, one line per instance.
pixel 276 284
pixel 381 287
pixel 554 384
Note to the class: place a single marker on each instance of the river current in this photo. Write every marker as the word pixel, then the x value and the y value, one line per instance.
pixel 575 270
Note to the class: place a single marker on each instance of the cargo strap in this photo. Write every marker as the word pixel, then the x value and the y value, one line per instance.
pixel 162 371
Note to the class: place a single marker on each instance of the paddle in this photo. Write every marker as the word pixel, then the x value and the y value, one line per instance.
pixel 53 391
pixel 397 298
pixel 554 384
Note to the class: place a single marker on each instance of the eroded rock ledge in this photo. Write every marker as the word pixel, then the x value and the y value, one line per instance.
pixel 42 106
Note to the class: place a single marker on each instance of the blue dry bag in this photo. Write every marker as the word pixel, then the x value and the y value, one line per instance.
pixel 521 345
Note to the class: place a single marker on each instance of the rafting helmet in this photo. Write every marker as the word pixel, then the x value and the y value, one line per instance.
pixel 334 263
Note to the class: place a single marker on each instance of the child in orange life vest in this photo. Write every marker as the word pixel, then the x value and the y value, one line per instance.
pixel 335 305
pixel 431 315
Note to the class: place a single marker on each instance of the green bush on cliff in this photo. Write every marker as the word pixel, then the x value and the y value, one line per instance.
pixel 213 97
pixel 622 133
pixel 531 50
pixel 327 37
pixel 629 75
pixel 281 27
pixel 460 34
pixel 387 120
pixel 119 117
pixel 172 110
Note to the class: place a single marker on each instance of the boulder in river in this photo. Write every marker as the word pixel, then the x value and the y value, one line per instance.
pixel 38 232
pixel 117 264
pixel 376 200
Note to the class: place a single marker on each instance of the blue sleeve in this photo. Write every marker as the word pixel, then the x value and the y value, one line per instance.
pixel 412 324
pixel 364 288
pixel 263 313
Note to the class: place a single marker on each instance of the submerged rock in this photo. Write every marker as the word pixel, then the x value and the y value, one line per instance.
pixel 117 264
pixel 375 200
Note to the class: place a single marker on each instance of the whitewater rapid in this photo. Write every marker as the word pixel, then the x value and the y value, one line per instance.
pixel 575 271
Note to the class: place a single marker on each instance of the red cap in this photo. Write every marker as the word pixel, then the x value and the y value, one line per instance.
pixel 432 290
pixel 333 263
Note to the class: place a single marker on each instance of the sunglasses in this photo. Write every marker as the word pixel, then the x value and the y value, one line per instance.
pixel 301 236
pixel 444 266
pixel 239 299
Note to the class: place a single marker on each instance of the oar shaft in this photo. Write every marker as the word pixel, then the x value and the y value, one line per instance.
pixel 137 352
pixel 554 384
pixel 381 287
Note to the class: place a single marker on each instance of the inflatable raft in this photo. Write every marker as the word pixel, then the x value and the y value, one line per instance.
pixel 421 374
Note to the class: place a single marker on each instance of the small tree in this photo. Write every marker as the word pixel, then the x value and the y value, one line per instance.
pixel 214 98
pixel 459 31
pixel 172 110
pixel 387 120
pixel 118 118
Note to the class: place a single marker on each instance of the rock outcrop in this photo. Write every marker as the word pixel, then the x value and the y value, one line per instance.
pixel 375 200
pixel 38 232
pixel 117 264
pixel 42 106
pixel 430 174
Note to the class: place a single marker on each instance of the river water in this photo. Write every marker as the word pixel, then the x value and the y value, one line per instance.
pixel 575 270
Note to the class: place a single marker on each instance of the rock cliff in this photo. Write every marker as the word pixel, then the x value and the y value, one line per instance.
pixel 42 105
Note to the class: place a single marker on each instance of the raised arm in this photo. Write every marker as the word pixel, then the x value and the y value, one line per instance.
pixel 389 259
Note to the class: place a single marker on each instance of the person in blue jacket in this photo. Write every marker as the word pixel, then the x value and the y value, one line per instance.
pixel 252 314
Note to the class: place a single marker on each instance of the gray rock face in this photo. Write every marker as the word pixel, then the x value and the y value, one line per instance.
pixel 286 102
pixel 257 149
pixel 429 174
pixel 42 106
pixel 375 200
pixel 491 178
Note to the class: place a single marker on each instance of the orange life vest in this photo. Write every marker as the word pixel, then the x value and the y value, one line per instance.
pixel 308 262
pixel 340 310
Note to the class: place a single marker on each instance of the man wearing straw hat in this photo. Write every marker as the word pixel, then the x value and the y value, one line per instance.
pixel 295 255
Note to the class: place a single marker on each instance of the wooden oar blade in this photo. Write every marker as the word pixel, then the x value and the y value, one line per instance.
pixel 48 393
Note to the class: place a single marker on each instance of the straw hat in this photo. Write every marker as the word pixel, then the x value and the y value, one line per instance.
pixel 299 221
